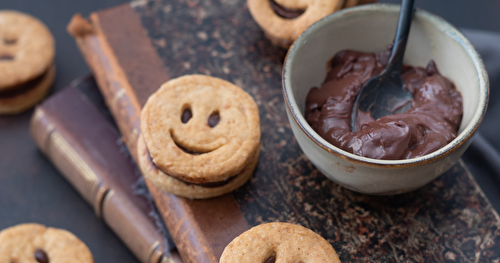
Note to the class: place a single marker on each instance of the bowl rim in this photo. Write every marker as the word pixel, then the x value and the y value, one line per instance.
pixel 442 26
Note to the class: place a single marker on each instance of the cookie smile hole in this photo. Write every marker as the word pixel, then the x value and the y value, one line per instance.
pixel 271 259
pixel 41 256
pixel 184 149
pixel 6 57
pixel 186 115
pixel 213 119
pixel 283 12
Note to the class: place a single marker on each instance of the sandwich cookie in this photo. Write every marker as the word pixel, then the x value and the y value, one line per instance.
pixel 284 20
pixel 200 137
pixel 26 61
pixel 279 242
pixel 32 243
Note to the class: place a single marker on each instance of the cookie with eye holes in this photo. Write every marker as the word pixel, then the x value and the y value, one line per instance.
pixel 32 243
pixel 284 20
pixel 201 130
pixel 279 242
pixel 26 61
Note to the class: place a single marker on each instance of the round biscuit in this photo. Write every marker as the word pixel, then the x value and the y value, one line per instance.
pixel 18 244
pixel 280 243
pixel 26 48
pixel 224 150
pixel 283 31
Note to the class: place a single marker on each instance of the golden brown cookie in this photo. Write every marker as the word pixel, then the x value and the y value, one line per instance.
pixel 33 243
pixel 279 242
pixel 282 29
pixel 201 129
pixel 178 187
pixel 26 61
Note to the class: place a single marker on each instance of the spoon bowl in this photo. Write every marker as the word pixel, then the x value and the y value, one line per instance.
pixel 384 94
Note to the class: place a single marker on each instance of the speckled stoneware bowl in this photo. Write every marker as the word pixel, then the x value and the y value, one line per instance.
pixel 370 28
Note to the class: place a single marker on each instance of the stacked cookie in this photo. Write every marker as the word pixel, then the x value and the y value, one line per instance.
pixel 26 61
pixel 284 20
pixel 200 137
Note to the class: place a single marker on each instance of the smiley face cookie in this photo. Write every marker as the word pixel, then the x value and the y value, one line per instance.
pixel 200 135
pixel 284 20
pixel 26 61
pixel 32 243
pixel 279 242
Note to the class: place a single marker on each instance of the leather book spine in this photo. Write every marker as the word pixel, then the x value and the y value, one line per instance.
pixel 118 87
pixel 79 142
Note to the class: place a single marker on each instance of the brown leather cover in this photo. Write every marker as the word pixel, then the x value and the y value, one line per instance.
pixel 84 147
pixel 127 73
pixel 133 48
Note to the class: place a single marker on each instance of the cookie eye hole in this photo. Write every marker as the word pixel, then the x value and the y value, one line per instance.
pixel 271 259
pixel 41 256
pixel 186 115
pixel 213 119
pixel 9 41
pixel 283 12
pixel 6 57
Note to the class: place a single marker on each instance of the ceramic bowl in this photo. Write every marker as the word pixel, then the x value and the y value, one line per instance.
pixel 370 28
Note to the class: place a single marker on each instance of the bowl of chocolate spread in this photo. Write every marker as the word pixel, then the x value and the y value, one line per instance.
pixel 329 62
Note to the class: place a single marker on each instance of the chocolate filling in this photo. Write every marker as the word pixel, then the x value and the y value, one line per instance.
pixel 271 259
pixel 186 115
pixel 9 42
pixel 208 185
pixel 41 256
pixel 213 120
pixel 6 57
pixel 284 12
pixel 16 90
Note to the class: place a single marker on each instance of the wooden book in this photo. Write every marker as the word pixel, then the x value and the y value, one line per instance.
pixel 134 48
pixel 71 129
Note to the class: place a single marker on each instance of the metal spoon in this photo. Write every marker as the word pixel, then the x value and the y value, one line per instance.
pixel 383 94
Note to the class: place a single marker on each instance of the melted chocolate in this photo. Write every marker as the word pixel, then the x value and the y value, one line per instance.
pixel 22 88
pixel 284 12
pixel 431 123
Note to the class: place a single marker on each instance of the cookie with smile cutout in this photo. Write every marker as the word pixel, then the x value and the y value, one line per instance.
pixel 284 20
pixel 26 61
pixel 32 243
pixel 200 135
pixel 279 242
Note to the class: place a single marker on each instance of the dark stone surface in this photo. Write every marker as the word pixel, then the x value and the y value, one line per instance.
pixel 448 219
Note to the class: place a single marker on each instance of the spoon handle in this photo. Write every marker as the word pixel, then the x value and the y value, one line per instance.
pixel 402 31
